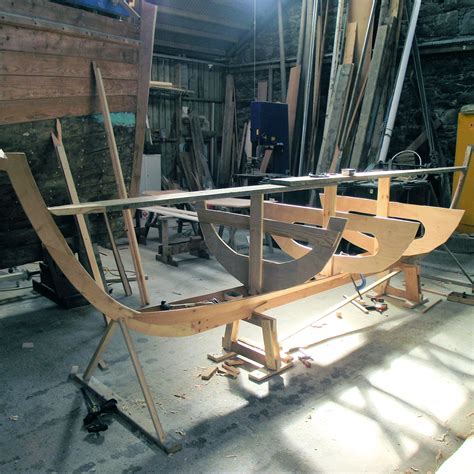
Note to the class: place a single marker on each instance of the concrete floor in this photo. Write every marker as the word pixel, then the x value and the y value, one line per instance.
pixel 386 393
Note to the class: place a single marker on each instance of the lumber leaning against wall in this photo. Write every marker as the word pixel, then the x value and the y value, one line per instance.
pixel 46 54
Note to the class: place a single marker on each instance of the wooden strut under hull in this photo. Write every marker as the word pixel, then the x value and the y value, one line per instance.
pixel 171 323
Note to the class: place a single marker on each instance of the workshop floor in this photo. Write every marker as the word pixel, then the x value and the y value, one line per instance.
pixel 385 393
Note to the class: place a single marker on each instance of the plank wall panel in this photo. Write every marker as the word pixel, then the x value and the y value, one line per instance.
pixel 70 16
pixel 17 111
pixel 31 64
pixel 20 87
pixel 46 54
pixel 15 38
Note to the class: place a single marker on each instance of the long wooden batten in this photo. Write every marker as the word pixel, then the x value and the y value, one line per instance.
pixel 279 186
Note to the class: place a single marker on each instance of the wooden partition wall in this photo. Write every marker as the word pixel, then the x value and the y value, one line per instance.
pixel 46 54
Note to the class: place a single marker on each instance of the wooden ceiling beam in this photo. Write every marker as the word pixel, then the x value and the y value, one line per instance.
pixel 239 25
pixel 196 33
pixel 189 47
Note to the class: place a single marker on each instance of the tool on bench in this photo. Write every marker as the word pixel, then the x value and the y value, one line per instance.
pixel 93 421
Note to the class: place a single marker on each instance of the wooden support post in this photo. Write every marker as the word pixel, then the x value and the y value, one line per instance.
pixel 462 177
pixel 231 335
pixel 122 191
pixel 96 357
pixel 256 244
pixel 142 381
pixel 329 207
pixel 118 259
pixel 80 219
pixel 270 341
pixel 412 293
pixel 383 197
pixel 147 36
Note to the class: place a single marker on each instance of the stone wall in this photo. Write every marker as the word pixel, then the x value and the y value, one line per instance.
pixel 446 35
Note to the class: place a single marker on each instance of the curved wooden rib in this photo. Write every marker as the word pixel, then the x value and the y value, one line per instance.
pixel 174 323
pixel 439 223
pixel 392 237
pixel 276 276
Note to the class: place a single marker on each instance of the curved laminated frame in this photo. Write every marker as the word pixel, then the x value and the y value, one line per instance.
pixel 172 323
pixel 275 276
pixel 439 223
pixel 391 237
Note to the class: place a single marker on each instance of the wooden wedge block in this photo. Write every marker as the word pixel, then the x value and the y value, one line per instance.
pixel 207 373
pixel 231 368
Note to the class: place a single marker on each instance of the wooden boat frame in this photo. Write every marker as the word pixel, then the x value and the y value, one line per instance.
pixel 197 319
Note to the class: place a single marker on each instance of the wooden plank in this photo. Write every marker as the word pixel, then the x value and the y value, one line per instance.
pixel 287 184
pixel 22 88
pixel 364 135
pixel 329 208
pixel 335 119
pixel 256 245
pixel 359 12
pixel 383 197
pixel 292 101
pixel 182 46
pixel 231 335
pixel 238 161
pixel 270 226
pixel 197 33
pixel 224 165
pixel 14 38
pixel 421 138
pixel 44 9
pixel 53 27
pixel 266 160
pixel 117 257
pixel 17 111
pixel 270 341
pixel 21 63
pixel 121 190
pixel 206 18
pixel 147 35
pixel 349 48
pixel 81 221
pixel 208 372
pixel 199 150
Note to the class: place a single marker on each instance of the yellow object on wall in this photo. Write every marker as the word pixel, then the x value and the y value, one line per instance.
pixel 466 137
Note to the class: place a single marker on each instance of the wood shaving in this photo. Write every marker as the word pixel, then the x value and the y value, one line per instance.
pixel 414 469
pixel 180 395
pixel 442 438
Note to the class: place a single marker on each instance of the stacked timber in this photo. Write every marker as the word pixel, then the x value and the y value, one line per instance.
pixel 348 131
